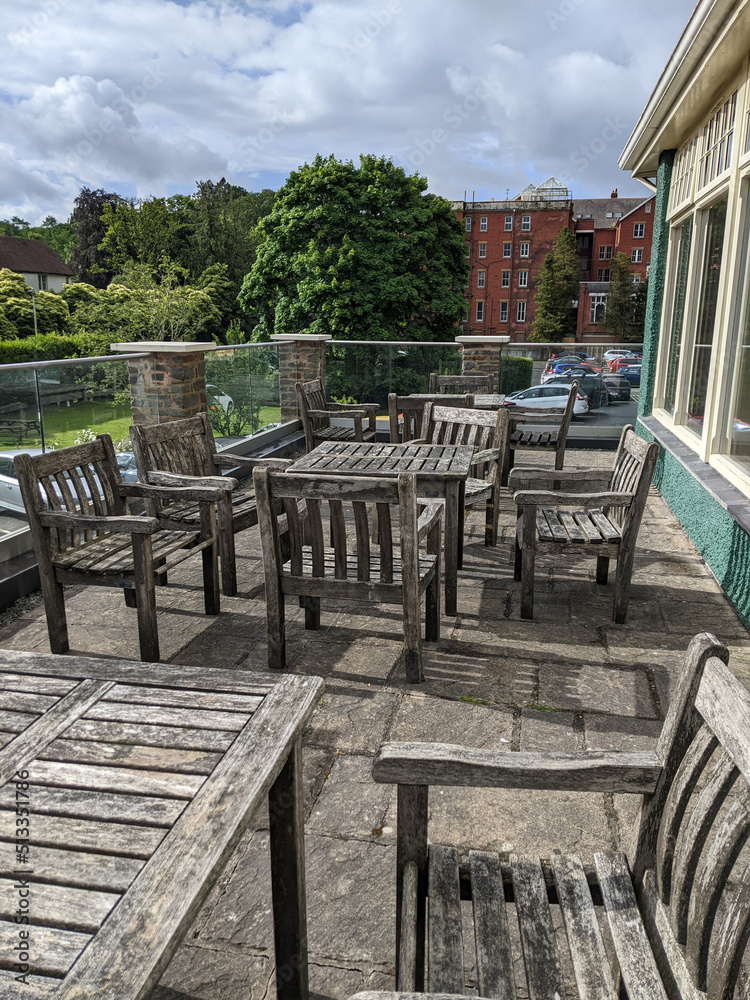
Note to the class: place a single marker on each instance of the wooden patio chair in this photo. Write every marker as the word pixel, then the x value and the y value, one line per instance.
pixel 487 432
pixel 83 534
pixel 559 511
pixel 316 413
pixel 459 384
pixel 670 920
pixel 355 569
pixel 183 453
pixel 405 413
pixel 524 435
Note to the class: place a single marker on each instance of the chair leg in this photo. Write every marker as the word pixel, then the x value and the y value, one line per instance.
pixel 312 611
pixel 432 594
pixel 130 597
pixel 145 591
pixel 491 518
pixel 528 561
pixel 210 557
pixel 275 626
pixel 602 569
pixel 227 555
pixel 54 608
pixel 623 574
pixel 412 637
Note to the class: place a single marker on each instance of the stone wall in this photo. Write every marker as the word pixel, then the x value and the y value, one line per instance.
pixel 301 359
pixel 481 356
pixel 168 383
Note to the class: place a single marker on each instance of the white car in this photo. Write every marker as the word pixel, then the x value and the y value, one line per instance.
pixel 619 353
pixel 543 396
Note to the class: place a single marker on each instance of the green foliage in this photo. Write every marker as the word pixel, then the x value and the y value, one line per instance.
pixel 357 252
pixel 60 236
pixel 49 347
pixel 515 374
pixel 249 377
pixel 557 286
pixel 88 260
pixel 17 303
pixel 625 310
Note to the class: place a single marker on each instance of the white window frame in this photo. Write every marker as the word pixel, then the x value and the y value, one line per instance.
pixel 482 223
pixel 482 251
pixel 636 255
pixel 480 312
pixel 481 277
pixel 525 223
pixel 467 223
pixel 503 312
pixel 523 279
pixel 508 224
pixel 524 250
pixel 521 311
pixel 507 251
pixel 596 299
pixel 639 230
pixel 505 279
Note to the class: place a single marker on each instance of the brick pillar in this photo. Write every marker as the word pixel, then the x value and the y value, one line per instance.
pixel 481 356
pixel 169 382
pixel 302 357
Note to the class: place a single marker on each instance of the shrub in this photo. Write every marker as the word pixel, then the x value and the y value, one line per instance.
pixel 515 374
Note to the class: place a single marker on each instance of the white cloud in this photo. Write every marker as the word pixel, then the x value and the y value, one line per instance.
pixel 152 95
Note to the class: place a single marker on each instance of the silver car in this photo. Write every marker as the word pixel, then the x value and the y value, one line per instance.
pixel 10 491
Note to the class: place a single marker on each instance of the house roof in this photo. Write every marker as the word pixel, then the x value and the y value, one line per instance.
pixel 595 210
pixel 31 256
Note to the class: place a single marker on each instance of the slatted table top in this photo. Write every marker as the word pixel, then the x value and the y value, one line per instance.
pixel 355 458
pixel 124 787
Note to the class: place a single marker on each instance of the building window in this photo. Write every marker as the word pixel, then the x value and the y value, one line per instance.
pixel 467 223
pixel 503 312
pixel 482 250
pixel 718 134
pixel 524 252
pixel 636 256
pixel 602 274
pixel 647 208
pixel 42 282
pixel 505 279
pixel 636 279
pixel 480 312
pixel 521 312
pixel 639 230
pixel 508 223
pixel 685 237
pixel 523 279
pixel 525 223
pixel 465 318
pixel 482 223
pixel 480 278
pixel 704 333
pixel 737 410
pixel 507 249
pixel 597 305
pixel 682 175
pixel 605 253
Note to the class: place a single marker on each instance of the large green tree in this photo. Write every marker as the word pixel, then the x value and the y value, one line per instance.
pixel 88 260
pixel 625 309
pixel 557 286
pixel 360 252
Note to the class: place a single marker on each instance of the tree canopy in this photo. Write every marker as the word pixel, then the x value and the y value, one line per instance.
pixel 625 309
pixel 359 252
pixel 557 287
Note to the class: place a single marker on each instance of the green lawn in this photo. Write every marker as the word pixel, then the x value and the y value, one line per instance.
pixel 63 424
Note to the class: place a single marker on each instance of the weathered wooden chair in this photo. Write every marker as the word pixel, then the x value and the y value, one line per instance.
pixel 316 414
pixel 405 413
pixel 361 571
pixel 524 435
pixel 452 384
pixel 559 510
pixel 487 432
pixel 83 534
pixel 676 910
pixel 183 453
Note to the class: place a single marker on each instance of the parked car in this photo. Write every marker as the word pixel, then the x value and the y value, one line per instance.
pixel 10 491
pixel 624 359
pixel 616 352
pixel 543 396
pixel 565 355
pixel 632 373
pixel 126 465
pixel 217 397
pixel 566 366
pixel 592 386
pixel 618 387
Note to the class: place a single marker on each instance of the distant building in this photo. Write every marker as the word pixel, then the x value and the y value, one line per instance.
pixel 508 241
pixel 43 270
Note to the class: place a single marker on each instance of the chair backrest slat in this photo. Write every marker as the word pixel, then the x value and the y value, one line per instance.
pixel 411 410
pixel 482 429
pixel 184 447
pixel 459 384
pixel 338 539
pixel 362 533
pixel 385 534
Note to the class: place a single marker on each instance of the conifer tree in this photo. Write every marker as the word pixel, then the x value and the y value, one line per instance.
pixel 556 289
pixel 625 309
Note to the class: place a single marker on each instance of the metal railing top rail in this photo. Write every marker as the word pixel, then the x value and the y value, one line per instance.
pixel 393 343
pixel 60 362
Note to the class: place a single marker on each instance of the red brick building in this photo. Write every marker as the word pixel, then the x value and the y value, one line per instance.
pixel 507 242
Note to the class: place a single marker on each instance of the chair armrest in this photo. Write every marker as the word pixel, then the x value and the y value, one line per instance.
pixel 590 771
pixel 354 411
pixel 242 463
pixel 430 516
pixel 167 493
pixel 176 480
pixel 123 524
pixel 417 441
pixel 556 498
pixel 533 478
pixel 358 406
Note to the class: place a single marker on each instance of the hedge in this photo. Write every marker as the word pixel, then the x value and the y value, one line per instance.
pixel 51 347
pixel 515 374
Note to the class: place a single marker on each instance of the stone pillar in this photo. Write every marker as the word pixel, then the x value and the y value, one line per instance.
pixel 481 356
pixel 302 357
pixel 169 382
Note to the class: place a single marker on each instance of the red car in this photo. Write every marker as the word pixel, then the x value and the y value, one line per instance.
pixel 626 359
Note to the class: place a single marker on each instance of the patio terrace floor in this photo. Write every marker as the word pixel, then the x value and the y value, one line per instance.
pixel 570 680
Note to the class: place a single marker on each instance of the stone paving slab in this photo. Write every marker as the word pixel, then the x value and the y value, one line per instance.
pixel 569 680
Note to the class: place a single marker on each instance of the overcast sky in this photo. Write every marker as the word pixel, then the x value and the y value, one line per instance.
pixel 145 97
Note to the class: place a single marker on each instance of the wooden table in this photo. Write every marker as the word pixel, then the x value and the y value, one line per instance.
pixel 441 471
pixel 482 400
pixel 124 789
